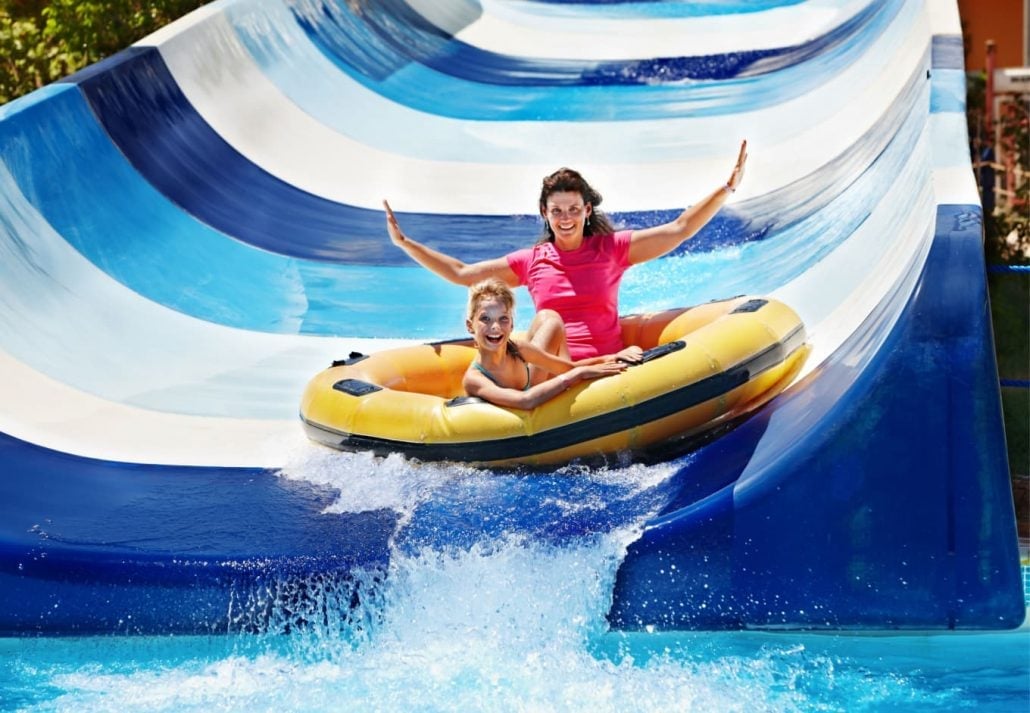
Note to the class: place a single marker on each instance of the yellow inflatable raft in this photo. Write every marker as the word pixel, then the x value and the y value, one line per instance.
pixel 704 366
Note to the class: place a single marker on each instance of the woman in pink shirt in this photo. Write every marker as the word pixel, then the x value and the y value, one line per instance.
pixel 573 273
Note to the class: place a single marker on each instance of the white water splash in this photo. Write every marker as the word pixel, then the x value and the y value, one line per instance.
pixel 508 623
pixel 511 626
pixel 368 483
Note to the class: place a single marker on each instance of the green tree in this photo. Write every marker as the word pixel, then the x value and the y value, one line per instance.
pixel 23 66
pixel 41 42
pixel 1007 229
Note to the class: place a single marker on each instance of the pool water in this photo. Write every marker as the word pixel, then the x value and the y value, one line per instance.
pixel 514 619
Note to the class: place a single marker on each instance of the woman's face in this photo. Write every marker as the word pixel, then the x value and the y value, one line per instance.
pixel 567 215
pixel 491 324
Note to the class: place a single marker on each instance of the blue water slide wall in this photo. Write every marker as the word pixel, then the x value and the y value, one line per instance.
pixel 187 235
pixel 93 546
pixel 908 536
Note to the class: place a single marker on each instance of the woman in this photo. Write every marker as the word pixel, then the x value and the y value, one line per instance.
pixel 573 273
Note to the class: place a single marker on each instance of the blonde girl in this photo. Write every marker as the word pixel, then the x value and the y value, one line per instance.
pixel 517 373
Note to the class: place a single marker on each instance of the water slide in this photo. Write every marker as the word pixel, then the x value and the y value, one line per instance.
pixel 191 229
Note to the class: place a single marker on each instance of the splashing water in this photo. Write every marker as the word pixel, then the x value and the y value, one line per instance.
pixel 460 505
pixel 504 613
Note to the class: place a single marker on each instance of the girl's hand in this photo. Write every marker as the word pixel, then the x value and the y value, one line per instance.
pixel 393 227
pixel 738 171
pixel 596 371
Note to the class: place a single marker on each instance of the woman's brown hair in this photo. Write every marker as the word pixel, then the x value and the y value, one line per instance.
pixel 567 180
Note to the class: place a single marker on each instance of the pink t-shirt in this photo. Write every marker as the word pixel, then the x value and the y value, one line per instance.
pixel 581 285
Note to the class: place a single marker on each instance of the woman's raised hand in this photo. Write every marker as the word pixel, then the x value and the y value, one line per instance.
pixel 738 171
pixel 392 226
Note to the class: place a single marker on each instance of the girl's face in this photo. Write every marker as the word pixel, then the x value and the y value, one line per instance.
pixel 567 214
pixel 491 324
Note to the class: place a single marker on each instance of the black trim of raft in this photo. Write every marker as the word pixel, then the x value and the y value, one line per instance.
pixel 570 434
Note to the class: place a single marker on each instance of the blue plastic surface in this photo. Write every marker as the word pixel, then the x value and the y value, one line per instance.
pixel 417 67
pixel 90 546
pixel 389 37
pixel 896 512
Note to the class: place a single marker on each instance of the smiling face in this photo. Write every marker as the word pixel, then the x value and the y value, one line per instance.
pixel 491 324
pixel 566 214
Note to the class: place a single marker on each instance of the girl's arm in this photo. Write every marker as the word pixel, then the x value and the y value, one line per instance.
pixel 478 385
pixel 557 364
pixel 650 243
pixel 630 355
pixel 447 267
pixel 546 360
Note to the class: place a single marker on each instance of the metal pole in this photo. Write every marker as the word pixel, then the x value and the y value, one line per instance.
pixel 989 93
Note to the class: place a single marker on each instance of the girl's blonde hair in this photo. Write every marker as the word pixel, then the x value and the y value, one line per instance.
pixel 487 289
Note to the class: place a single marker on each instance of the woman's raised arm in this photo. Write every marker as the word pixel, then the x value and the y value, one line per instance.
pixel 449 268
pixel 649 243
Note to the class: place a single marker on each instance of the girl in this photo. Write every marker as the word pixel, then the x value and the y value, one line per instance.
pixel 501 372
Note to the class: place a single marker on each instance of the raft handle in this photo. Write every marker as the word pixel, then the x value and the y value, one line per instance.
pixel 352 358
pixel 462 400
pixel 356 387
pixel 750 306
pixel 661 350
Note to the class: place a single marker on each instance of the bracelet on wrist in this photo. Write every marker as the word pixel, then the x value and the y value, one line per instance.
pixel 729 189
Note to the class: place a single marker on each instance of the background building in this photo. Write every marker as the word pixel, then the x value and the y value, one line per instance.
pixel 1007 22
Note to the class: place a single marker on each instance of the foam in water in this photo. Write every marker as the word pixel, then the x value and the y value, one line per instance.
pixel 512 618
pixel 516 625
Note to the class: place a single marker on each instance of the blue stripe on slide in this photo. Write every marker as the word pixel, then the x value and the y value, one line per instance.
pixel 948 52
pixel 111 492
pixel 389 35
pixel 667 9
pixel 143 110
pixel 153 124
pixel 191 539
pixel 307 78
pixel 412 76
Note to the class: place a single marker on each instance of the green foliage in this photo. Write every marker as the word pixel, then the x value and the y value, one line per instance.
pixel 41 42
pixel 1010 312
pixel 1015 403
pixel 1006 235
pixel 1007 231
pixel 23 65
pixel 1013 226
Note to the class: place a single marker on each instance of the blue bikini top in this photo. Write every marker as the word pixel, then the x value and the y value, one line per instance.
pixel 515 353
